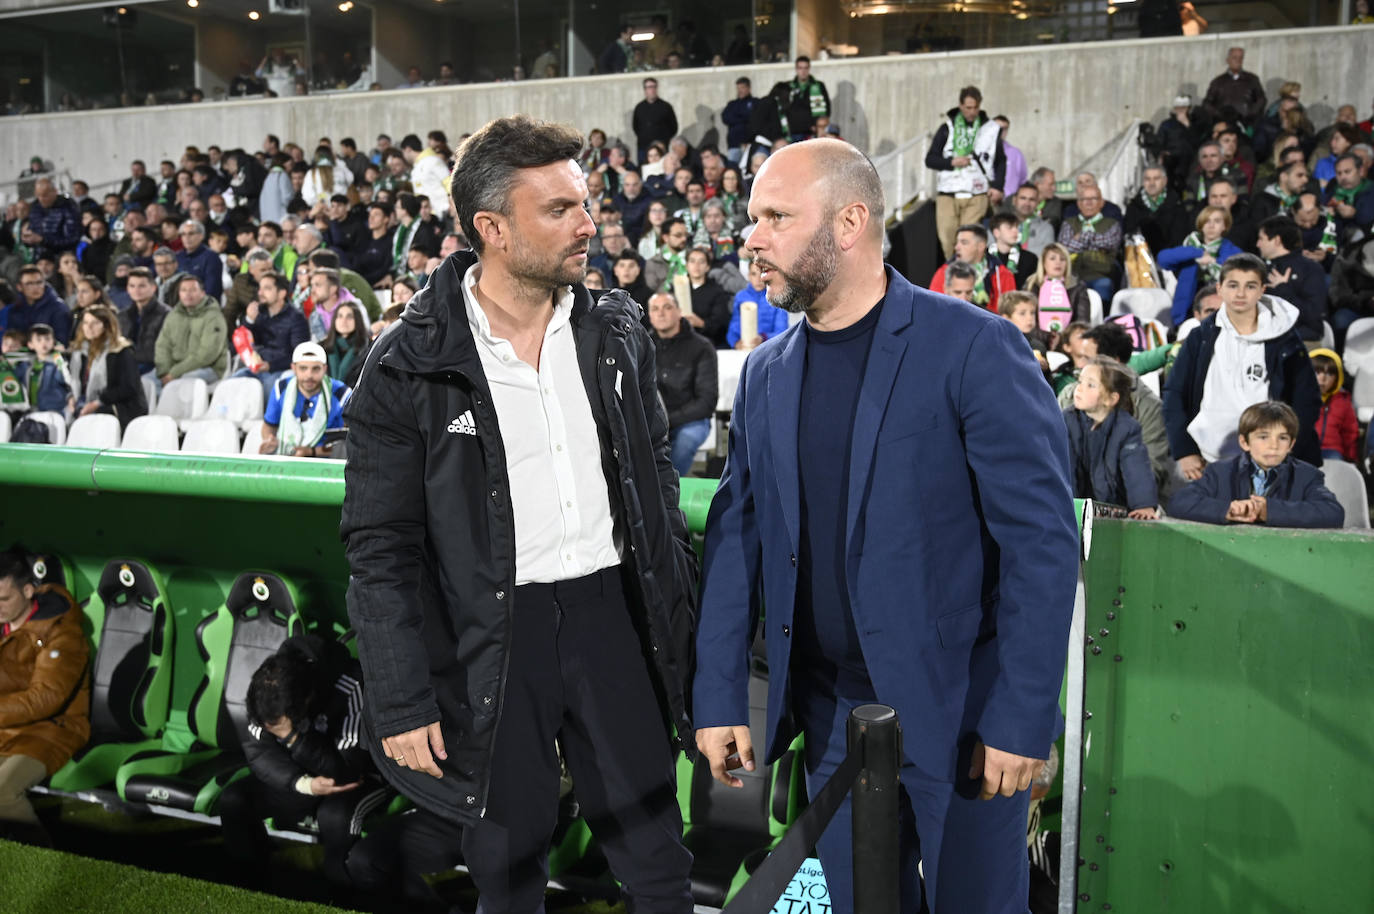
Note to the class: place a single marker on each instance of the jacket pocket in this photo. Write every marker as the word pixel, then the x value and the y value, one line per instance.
pixel 961 627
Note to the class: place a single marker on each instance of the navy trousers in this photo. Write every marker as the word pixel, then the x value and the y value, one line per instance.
pixel 972 851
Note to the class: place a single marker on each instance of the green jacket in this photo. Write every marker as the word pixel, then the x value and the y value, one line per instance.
pixel 362 291
pixel 192 338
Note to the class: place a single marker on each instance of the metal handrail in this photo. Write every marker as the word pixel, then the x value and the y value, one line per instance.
pixel 892 170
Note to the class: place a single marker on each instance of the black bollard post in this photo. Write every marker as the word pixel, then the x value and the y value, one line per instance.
pixel 878 734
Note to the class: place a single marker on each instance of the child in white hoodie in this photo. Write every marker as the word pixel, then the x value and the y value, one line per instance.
pixel 1244 354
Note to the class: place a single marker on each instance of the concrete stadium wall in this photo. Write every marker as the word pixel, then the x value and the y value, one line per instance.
pixel 1066 102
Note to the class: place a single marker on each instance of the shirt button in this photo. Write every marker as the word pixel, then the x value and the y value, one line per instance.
pixel 568 503
pixel 568 557
pixel 793 557
pixel 786 631
pixel 494 493
pixel 500 594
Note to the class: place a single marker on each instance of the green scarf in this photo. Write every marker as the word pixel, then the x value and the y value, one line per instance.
pixel 1152 203
pixel 1347 195
pixel 342 358
pixel 980 288
pixel 812 89
pixel 1089 225
pixel 964 136
pixel 677 265
pixel 1012 258
pixel 1210 271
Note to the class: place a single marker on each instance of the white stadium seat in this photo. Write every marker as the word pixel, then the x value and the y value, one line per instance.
pixel 150 393
pixel 6 426
pixel 56 423
pixel 252 440
pixel 729 367
pixel 211 436
pixel 1359 363
pixel 1346 483
pixel 151 433
pixel 237 399
pixel 184 398
pixel 98 430
pixel 1094 307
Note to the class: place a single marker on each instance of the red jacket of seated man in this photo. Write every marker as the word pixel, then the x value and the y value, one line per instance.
pixel 995 282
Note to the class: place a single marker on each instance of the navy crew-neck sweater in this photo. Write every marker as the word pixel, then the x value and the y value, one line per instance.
pixel 826 649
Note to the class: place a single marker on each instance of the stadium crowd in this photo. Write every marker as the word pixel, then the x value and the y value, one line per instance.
pixel 284 264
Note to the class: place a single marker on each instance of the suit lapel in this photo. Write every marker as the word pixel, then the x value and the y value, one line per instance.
pixel 784 411
pixel 880 373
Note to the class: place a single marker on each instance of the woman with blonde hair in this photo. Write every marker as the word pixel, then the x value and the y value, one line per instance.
pixel 1197 262
pixel 324 179
pixel 103 369
pixel 1055 263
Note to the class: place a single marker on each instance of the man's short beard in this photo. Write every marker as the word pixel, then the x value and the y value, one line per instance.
pixel 811 274
pixel 533 269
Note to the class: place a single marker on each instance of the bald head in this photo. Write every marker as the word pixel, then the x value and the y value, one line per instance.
pixel 845 175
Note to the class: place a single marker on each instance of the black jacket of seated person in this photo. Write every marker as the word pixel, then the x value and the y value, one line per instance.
pixel 326 742
pixel 688 377
pixel 1296 497
pixel 714 306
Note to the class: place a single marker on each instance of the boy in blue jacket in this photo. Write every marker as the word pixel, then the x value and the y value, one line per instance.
pixel 1264 484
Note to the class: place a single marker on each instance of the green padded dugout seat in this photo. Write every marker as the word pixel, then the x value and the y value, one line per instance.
pixel 131 625
pixel 259 614
pixel 731 830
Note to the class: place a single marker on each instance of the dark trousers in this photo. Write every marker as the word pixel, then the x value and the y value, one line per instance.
pixel 245 803
pixel 972 851
pixel 387 866
pixel 577 673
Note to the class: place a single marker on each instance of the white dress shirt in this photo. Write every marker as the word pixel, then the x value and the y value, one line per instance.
pixel 563 526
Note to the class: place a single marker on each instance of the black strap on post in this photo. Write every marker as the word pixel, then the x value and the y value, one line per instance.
pixel 876 737
pixel 874 755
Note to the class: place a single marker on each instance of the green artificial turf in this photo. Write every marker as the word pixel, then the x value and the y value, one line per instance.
pixel 38 881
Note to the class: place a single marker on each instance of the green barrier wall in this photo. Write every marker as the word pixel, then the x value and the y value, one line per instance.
pixel 1229 747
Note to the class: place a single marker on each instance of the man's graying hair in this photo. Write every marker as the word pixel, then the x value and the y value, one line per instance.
pixel 486 163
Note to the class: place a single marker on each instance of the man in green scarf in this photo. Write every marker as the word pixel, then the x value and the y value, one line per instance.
pixel 808 104
pixel 305 403
pixel 1350 198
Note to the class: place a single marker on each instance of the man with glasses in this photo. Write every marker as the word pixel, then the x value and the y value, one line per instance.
pixel 1094 241
pixel 198 260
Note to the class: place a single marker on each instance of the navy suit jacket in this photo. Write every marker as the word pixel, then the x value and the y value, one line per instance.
pixel 961 543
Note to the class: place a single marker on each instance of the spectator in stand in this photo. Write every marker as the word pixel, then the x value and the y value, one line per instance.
pixel 1206 303
pixel 1281 197
pixel 972 166
pixel 1056 264
pixel 1338 430
pixel 327 294
pixel 1156 212
pixel 415 79
pixel 1293 277
pixel 303 743
pixel 45 378
pixel 54 222
pixel 670 260
pixel 1094 240
pixel 279 73
pixel 271 239
pixel 651 236
pixel 628 273
pixel 715 234
pixel 374 259
pixel 1350 198
pixel 633 204
pixel 808 104
pixel 244 288
pixel 199 260
pixel 165 271
pixel 736 119
pixel 993 279
pixel 772 320
pixel 711 310
pixel 616 56
pixel 193 342
pixel 347 226
pixel 1318 230
pixel 1036 232
pixel 1050 207
pixel 1197 262
pixel 38 303
pixel 1343 138
pixel 1016 160
pixel 613 243
pixel 1237 90
pixel 347 342
pixel 1222 193
pixel 324 179
pixel 138 187
pixel 960 280
pixel 687 378
pixel 105 369
pixel 1244 354
pixel 1210 166
pixel 653 120
pixel 1088 181
pixel 691 213
pixel 94 249
pixel 142 321
pixel 45 715
pixel 321 259
pixel 305 403
pixel 1106 450
pixel 407 225
pixel 1006 238
pixel 1229 141
pixel 277 327
pixel 1267 483
pixel 429 173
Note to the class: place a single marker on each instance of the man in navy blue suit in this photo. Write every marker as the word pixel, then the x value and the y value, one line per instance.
pixel 897 493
